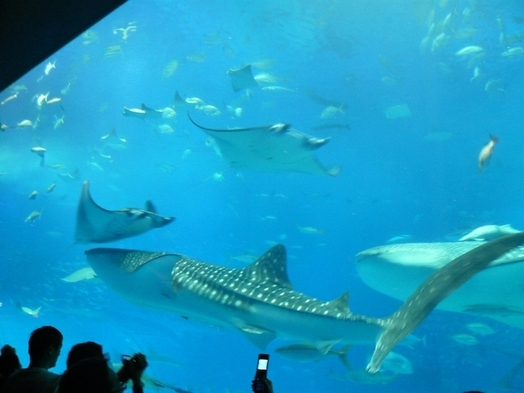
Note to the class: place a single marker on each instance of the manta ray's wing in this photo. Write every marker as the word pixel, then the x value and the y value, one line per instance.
pixel 242 78
pixel 95 224
pixel 269 149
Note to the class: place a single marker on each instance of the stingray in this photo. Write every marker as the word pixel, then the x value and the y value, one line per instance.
pixel 272 148
pixel 242 78
pixel 95 224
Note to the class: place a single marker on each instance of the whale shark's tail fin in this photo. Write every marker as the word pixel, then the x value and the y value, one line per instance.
pixel 435 289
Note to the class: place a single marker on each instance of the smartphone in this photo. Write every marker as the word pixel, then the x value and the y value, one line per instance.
pixel 262 365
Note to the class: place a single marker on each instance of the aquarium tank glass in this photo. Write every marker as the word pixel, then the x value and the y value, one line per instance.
pixel 204 181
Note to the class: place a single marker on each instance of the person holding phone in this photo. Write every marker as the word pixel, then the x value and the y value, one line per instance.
pixel 261 384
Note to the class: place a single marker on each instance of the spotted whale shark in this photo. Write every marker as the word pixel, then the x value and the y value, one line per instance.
pixel 259 300
pixel 497 292
pixel 94 224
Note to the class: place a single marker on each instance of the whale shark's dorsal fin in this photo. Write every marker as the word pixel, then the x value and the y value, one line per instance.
pixel 270 267
pixel 150 207
pixel 341 304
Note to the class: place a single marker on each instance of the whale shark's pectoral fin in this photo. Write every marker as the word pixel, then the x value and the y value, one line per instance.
pixel 435 289
pixel 258 336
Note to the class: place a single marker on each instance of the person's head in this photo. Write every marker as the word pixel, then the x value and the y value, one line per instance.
pixel 45 344
pixel 82 351
pixel 88 376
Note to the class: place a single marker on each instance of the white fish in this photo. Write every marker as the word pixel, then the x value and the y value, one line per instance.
pixel 53 100
pixel 476 74
pixel 480 328
pixel 41 99
pixel 397 364
pixel 33 216
pixel 10 98
pixel 210 110
pixel 469 50
pixel 489 232
pixel 195 101
pixel 87 273
pixel 38 150
pixel 515 51
pixel 486 152
pixel 165 129
pixel 309 352
pixel 34 313
pixel 399 238
pixel 24 123
pixel 411 340
pixel 59 122
pixel 50 188
pixel 465 339
pixel 49 66
pixel 439 41
pixel 332 111
pixel 311 230
pixel 168 113
pixel 65 90
pixel 397 111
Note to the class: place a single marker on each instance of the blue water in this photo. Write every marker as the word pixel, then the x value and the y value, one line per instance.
pixel 414 175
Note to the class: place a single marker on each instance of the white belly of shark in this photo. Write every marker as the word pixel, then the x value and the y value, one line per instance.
pixel 259 300
pixel 496 292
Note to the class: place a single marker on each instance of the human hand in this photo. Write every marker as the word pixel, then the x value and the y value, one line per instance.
pixel 267 385
pixel 132 367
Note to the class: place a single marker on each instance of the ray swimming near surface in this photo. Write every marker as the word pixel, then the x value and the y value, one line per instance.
pixel 242 78
pixel 272 148
pixel 95 224
pixel 497 292
pixel 259 300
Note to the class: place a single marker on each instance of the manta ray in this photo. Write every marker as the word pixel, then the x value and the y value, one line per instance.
pixel 95 224
pixel 259 300
pixel 497 292
pixel 273 148
pixel 242 78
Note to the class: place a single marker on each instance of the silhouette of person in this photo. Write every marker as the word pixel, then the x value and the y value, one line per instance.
pixel 9 363
pixel 132 368
pixel 45 344
pixel 88 376
pixel 262 385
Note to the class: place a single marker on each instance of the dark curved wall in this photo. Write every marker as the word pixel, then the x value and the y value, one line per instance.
pixel 32 30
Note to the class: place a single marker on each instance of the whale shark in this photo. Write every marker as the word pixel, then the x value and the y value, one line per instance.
pixel 259 300
pixel 95 224
pixel 497 292
pixel 272 148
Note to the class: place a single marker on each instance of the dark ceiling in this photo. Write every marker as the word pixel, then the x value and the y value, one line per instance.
pixel 32 30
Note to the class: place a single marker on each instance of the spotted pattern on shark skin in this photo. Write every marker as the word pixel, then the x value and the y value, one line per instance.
pixel 131 261
pixel 265 280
